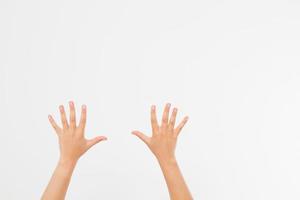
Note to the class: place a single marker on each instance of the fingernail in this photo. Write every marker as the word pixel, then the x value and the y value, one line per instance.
pixel 83 107
pixel 168 105
pixel 153 107
pixel 61 107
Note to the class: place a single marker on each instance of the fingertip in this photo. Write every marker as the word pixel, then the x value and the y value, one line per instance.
pixel 83 107
pixel 153 107
pixel 101 138
pixel 71 103
pixel 133 132
pixel 61 107
pixel 186 118
pixel 137 133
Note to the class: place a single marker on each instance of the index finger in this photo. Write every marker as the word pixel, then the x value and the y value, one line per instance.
pixel 83 117
pixel 154 123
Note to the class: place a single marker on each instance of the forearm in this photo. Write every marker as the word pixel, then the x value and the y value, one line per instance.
pixel 176 185
pixel 58 185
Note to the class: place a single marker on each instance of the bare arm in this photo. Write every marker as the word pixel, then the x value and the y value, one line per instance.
pixel 72 145
pixel 162 143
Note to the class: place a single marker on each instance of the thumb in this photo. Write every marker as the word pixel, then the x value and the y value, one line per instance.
pixel 95 140
pixel 142 136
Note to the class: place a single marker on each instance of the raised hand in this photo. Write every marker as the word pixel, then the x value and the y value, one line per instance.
pixel 163 144
pixel 72 145
pixel 164 137
pixel 71 137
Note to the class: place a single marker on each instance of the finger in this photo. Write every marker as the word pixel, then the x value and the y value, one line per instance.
pixel 82 117
pixel 63 117
pixel 173 119
pixel 181 125
pixel 165 117
pixel 142 136
pixel 54 124
pixel 154 123
pixel 95 140
pixel 72 115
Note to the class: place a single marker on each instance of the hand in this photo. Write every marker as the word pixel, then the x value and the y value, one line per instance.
pixel 163 144
pixel 71 137
pixel 164 137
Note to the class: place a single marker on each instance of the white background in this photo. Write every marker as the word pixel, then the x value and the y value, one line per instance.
pixel 232 66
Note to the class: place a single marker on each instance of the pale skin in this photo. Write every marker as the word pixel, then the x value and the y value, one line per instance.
pixel 73 145
pixel 162 143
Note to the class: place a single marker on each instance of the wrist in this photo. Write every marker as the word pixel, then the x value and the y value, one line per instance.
pixel 65 168
pixel 67 162
pixel 167 161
